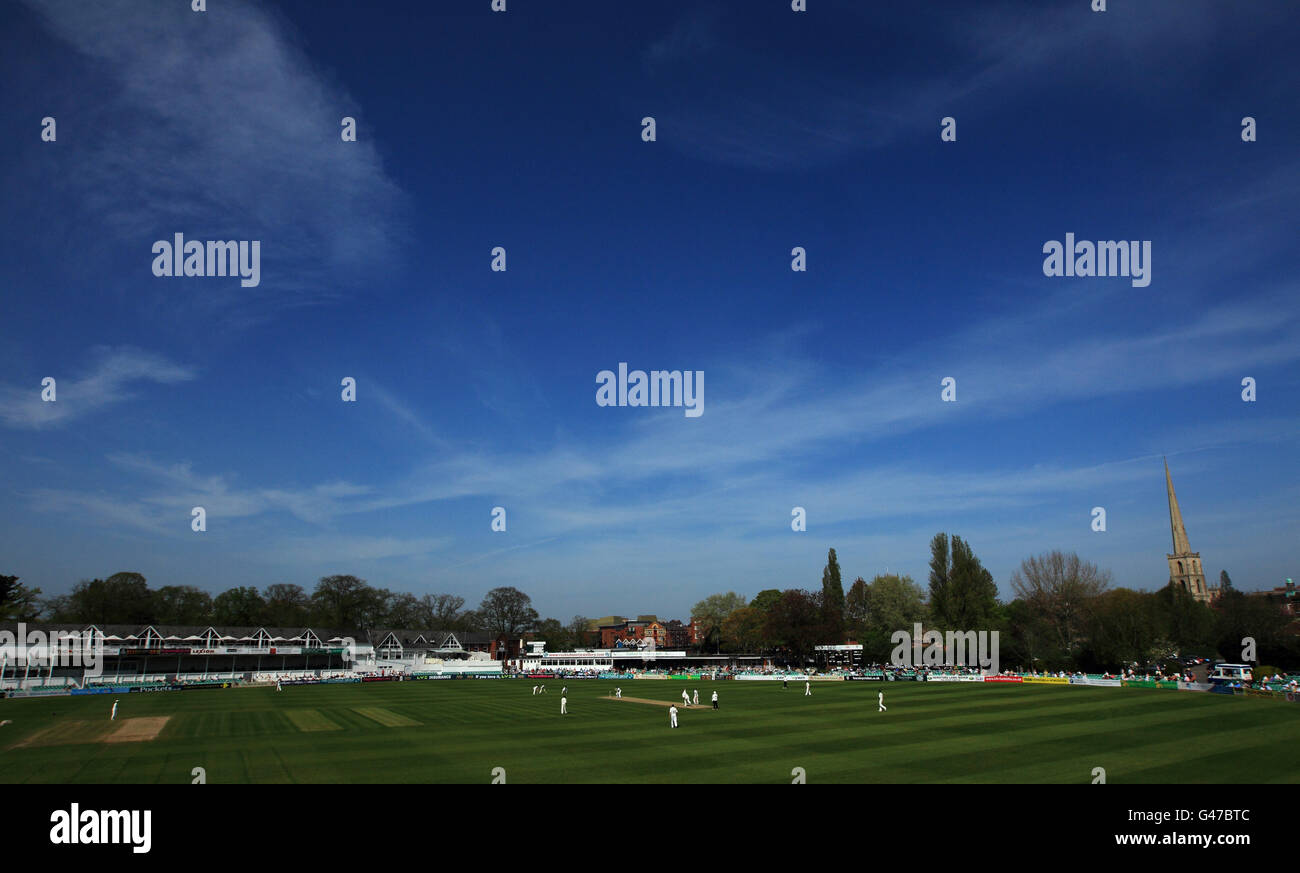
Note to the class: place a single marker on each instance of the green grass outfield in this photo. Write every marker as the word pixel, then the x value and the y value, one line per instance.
pixel 459 731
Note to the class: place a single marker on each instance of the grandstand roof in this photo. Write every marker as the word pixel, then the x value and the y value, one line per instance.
pixel 411 638
pixel 191 632
pixel 408 638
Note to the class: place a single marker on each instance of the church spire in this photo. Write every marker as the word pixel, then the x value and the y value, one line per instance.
pixel 1181 546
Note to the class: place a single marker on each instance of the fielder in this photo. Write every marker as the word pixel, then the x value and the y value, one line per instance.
pixel 881 700
pixel 715 700
pixel 564 692
pixel 564 705
pixel 113 717
pixel 618 692
pixel 534 690
pixel 277 685
pixel 697 697
pixel 807 689
pixel 672 716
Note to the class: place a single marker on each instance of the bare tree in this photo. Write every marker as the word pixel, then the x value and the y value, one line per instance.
pixel 1060 588
pixel 442 611
pixel 578 631
pixel 507 612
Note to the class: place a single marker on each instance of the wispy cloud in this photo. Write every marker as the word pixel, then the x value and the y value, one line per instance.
pixel 773 432
pixel 109 510
pixel 399 410
pixel 218 126
pixel 107 381
pixel 183 489
pixel 695 33
pixel 746 103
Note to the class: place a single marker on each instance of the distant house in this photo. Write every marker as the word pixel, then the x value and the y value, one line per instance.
pixel 681 636
pixel 636 633
pixel 1286 597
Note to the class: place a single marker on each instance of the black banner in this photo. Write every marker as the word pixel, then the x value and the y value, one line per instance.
pixel 1087 821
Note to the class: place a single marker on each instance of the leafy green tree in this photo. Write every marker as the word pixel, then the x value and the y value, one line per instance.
pixel 796 624
pixel 17 601
pixel 891 603
pixel 712 611
pixel 894 603
pixel 764 599
pixel 940 571
pixel 346 602
pixel 123 598
pixel 182 604
pixel 238 607
pixel 1187 624
pixel 287 605
pixel 832 598
pixel 856 608
pixel 58 609
pixel 1123 627
pixel 743 630
pixel 1225 581
pixel 1017 646
pixel 963 595
pixel 557 635
pixel 1241 615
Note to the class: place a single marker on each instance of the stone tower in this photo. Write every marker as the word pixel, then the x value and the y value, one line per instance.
pixel 1184 564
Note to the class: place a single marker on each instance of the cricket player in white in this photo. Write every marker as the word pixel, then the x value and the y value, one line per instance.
pixel 113 717
pixel 564 691
pixel 686 698
pixel 564 705
pixel 715 700
pixel 807 689
pixel 672 716
pixel 618 692
pixel 277 685
pixel 881 700
pixel 696 701
pixel 534 690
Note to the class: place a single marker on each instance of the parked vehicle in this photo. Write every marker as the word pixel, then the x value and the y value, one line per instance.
pixel 1230 673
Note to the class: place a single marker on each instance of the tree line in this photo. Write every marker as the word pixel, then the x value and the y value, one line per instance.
pixel 342 602
pixel 1064 616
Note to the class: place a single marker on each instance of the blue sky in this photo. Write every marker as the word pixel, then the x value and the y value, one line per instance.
pixel 477 388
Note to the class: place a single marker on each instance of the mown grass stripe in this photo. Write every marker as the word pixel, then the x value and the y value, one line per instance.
pixel 462 729
pixel 309 720
pixel 386 717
